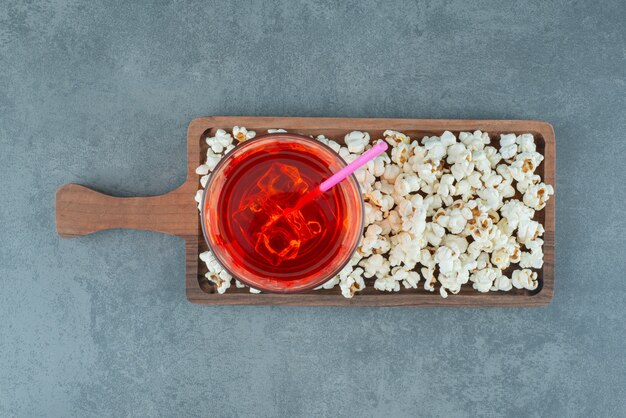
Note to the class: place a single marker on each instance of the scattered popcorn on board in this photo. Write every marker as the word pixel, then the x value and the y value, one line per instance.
pixel 439 212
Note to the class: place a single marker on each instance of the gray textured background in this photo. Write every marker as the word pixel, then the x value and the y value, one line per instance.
pixel 100 93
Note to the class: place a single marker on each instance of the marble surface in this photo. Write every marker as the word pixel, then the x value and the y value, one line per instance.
pixel 101 92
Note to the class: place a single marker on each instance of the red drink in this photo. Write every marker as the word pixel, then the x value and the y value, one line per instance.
pixel 268 224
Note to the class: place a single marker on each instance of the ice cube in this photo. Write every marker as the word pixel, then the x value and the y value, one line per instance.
pixel 281 178
pixel 279 231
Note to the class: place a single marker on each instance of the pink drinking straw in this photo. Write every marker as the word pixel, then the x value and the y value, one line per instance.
pixel 367 156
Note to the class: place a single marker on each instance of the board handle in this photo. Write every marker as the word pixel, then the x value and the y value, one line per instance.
pixel 81 211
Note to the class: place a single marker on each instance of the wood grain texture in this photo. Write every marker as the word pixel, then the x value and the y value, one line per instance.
pixel 82 211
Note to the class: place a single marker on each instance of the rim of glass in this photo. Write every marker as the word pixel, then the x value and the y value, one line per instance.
pixel 312 284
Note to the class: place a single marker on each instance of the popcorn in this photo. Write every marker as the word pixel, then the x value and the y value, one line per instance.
pixel 506 189
pixel 474 140
pixel 394 138
pixel 458 153
pixel 531 260
pixel 526 143
pixel 211 262
pixel 407 255
pixel 409 278
pixel 396 255
pixel 220 141
pixel 456 243
pixel 352 283
pixel 391 173
pixel 508 146
pixel 491 179
pixel 412 257
pixel 198 198
pixel 440 208
pixel 369 240
pixel 534 258
pixel 480 227
pixel 491 198
pixel 435 148
pixel 384 202
pixel 501 258
pixel 453 280
pixel 329 142
pixel 514 212
pixel 527 181
pixel 418 201
pixel 432 203
pixel 211 161
pixel 468 264
pixel 537 195
pixel 535 245
pixel 222 281
pixel 241 134
pixel 277 131
pixel 365 179
pixel 329 284
pixel 417 152
pixel 387 284
pixel 462 169
pixel 384 187
pixel 515 253
pixel 434 233
pixel 463 189
pixel 474 180
pixel 446 185
pixel 447 200
pixel 427 170
pixel 406 183
pixel 525 164
pixel 429 278
pixel 504 171
pixel 400 154
pixel 348 158
pixel 373 242
pixel 493 156
pixel 344 153
pixel 405 241
pixel 375 265
pixel 371 214
pixel 481 162
pixel 395 222
pixel 455 218
pixel 356 141
pixel 216 274
pixel 405 207
pixel 385 226
pixel 448 138
pixel 528 230
pixel 202 170
pixel 378 164
pixel 482 280
pixel 460 159
pixel 445 258
pixel 502 283
pixel 482 261
pixel 524 279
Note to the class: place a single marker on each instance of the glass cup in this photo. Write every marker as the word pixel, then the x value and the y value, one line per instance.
pixel 254 226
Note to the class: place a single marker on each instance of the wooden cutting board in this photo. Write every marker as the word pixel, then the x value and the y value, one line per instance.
pixel 81 211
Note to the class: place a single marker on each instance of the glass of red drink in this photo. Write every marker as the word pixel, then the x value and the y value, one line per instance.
pixel 256 226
